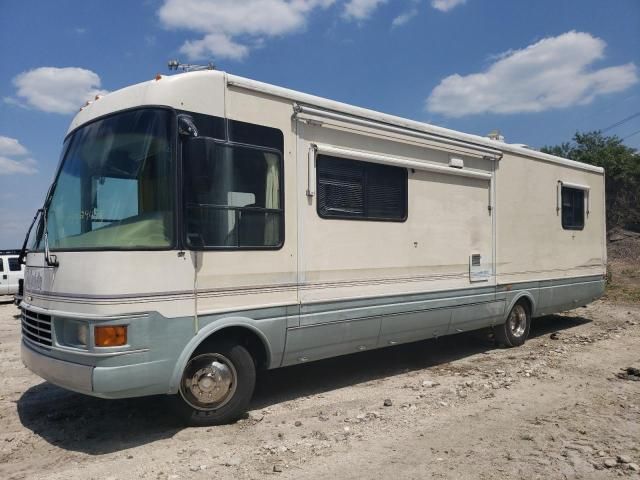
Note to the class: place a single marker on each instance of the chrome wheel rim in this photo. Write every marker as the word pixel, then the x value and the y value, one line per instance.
pixel 209 381
pixel 517 321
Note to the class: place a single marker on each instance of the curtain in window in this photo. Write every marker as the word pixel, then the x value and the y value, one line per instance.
pixel 272 200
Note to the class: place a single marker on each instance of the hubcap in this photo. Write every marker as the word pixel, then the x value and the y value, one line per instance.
pixel 209 381
pixel 518 321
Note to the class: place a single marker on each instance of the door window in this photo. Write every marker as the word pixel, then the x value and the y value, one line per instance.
pixel 14 264
pixel 233 197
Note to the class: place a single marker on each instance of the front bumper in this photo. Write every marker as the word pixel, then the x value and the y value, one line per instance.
pixel 143 367
pixel 72 376
pixel 133 380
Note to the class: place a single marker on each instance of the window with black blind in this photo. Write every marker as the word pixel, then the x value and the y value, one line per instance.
pixel 572 208
pixel 357 190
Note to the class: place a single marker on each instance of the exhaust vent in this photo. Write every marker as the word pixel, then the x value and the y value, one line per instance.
pixel 477 271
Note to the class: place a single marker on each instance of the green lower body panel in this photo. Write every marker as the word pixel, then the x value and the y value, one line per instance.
pixel 161 346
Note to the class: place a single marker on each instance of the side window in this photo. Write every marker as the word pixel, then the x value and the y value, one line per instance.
pixel 350 189
pixel 233 196
pixel 234 185
pixel 14 265
pixel 572 208
pixel 1 266
pixel 258 135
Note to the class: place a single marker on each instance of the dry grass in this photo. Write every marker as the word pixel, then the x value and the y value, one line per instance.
pixel 624 269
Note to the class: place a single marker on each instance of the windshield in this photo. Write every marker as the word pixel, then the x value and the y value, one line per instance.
pixel 115 185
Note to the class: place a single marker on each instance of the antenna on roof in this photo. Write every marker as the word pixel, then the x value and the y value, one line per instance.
pixel 496 135
pixel 187 67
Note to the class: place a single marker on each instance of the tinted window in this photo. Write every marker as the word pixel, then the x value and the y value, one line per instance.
pixel 572 208
pixel 14 265
pixel 233 196
pixel 251 134
pixel 1 266
pixel 359 190
pixel 208 125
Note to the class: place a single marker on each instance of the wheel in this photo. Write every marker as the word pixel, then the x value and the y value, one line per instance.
pixel 515 330
pixel 216 385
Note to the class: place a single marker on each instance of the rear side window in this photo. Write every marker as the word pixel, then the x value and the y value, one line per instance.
pixel 1 266
pixel 357 190
pixel 572 208
pixel 14 264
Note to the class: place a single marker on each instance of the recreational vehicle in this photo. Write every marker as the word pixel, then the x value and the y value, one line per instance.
pixel 203 226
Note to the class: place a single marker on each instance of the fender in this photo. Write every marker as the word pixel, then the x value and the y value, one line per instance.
pixel 518 296
pixel 222 323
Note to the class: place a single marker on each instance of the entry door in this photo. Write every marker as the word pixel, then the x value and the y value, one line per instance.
pixel 4 277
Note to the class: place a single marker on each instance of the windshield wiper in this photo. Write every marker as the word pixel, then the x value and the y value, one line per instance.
pixel 23 250
pixel 52 260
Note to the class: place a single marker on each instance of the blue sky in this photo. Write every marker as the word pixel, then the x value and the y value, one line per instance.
pixel 538 71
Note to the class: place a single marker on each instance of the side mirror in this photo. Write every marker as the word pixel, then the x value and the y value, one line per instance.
pixel 186 126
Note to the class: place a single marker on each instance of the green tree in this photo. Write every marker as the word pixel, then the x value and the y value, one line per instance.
pixel 622 173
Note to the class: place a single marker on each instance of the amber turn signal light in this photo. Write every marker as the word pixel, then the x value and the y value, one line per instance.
pixel 111 336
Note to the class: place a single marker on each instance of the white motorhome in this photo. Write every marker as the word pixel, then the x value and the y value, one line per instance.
pixel 202 226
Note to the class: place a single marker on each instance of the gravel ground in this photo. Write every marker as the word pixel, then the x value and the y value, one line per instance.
pixel 458 408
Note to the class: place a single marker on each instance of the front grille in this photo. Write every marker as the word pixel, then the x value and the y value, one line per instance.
pixel 36 327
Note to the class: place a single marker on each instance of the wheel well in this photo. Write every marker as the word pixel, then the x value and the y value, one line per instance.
pixel 528 304
pixel 242 336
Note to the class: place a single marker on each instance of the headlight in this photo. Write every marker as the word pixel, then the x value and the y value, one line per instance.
pixel 82 333
pixel 74 334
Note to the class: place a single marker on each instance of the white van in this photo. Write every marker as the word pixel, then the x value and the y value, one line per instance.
pixel 11 272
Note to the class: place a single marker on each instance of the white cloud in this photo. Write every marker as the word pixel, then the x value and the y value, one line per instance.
pixel 9 166
pixel 216 44
pixel 57 90
pixel 360 9
pixel 404 18
pixel 552 73
pixel 11 146
pixel 227 26
pixel 446 5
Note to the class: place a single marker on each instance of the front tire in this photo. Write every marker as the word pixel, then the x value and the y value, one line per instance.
pixel 216 385
pixel 515 330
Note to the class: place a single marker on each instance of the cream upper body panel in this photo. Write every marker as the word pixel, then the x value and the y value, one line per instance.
pixel 249 279
pixel 447 221
pixel 531 241
pixel 201 92
pixel 112 282
pixel 448 216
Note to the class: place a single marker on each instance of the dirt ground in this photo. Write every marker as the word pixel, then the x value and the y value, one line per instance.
pixel 460 408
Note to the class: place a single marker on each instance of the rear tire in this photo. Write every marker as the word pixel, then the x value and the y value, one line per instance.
pixel 216 385
pixel 515 330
